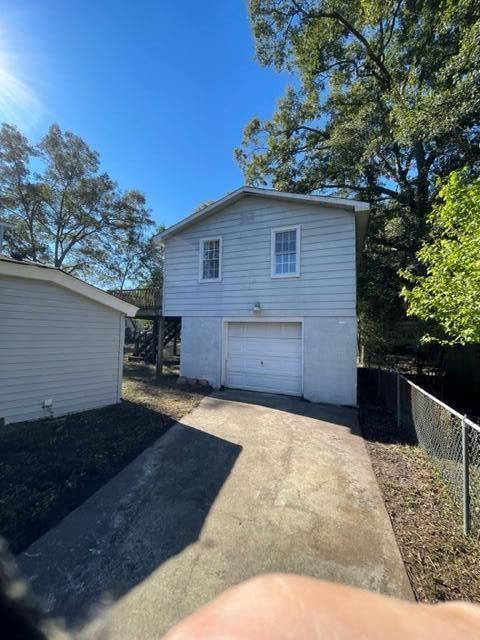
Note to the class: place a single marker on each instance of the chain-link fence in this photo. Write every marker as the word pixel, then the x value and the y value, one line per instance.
pixel 451 440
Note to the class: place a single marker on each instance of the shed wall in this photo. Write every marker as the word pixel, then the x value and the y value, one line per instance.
pixel 55 344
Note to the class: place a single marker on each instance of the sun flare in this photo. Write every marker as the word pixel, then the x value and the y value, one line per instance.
pixel 19 103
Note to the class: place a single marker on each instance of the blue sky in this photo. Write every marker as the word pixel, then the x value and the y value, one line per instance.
pixel 162 90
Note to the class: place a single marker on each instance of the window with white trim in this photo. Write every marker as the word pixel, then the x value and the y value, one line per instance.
pixel 285 252
pixel 210 259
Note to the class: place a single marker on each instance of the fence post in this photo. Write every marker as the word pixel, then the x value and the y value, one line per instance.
pixel 466 479
pixel 399 418
pixel 160 337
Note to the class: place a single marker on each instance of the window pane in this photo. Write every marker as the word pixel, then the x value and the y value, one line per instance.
pixel 286 252
pixel 211 260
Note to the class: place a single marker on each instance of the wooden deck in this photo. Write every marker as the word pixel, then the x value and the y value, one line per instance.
pixel 151 341
pixel 148 300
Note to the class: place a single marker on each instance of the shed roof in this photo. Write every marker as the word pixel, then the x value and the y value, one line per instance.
pixel 357 207
pixel 37 271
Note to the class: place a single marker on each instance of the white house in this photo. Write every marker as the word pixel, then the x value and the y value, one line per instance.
pixel 61 343
pixel 265 284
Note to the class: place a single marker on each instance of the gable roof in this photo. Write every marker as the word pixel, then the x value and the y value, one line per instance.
pixel 37 271
pixel 357 207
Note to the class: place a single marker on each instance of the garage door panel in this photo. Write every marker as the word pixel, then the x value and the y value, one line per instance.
pixel 267 364
pixel 266 383
pixel 236 329
pixel 265 346
pixel 270 330
pixel 265 356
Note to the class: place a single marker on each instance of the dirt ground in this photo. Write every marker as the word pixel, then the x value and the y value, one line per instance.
pixel 49 467
pixel 441 562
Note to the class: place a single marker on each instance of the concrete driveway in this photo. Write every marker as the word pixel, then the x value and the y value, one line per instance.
pixel 245 484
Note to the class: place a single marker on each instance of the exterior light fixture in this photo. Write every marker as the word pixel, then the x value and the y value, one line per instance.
pixel 257 307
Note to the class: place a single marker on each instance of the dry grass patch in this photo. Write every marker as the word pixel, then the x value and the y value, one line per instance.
pixel 165 396
pixel 441 562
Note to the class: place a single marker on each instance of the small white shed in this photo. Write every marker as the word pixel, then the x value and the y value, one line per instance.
pixel 61 343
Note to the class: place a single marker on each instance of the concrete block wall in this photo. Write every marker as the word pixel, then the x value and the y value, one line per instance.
pixel 330 351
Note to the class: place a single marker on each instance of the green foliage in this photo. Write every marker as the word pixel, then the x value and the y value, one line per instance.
pixel 448 293
pixel 388 96
pixel 20 195
pixel 68 213
pixel 386 101
pixel 132 258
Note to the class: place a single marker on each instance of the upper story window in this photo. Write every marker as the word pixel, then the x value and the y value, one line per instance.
pixel 285 252
pixel 210 259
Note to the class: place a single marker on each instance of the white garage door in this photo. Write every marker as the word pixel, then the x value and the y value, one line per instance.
pixel 265 356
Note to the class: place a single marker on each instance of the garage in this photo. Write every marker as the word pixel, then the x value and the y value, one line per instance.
pixel 264 356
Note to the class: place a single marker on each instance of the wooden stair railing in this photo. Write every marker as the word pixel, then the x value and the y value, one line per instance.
pixel 146 342
pixel 148 300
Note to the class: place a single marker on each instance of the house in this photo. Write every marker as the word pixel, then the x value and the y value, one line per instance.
pixel 61 343
pixel 265 285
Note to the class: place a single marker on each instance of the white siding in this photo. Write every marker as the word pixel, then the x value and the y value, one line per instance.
pixel 326 286
pixel 55 344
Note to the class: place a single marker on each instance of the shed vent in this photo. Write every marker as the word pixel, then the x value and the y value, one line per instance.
pixel 247 217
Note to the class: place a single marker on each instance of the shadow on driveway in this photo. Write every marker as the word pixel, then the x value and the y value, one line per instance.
pixel 148 513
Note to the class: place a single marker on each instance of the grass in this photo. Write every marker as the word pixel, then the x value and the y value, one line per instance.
pixel 49 467
pixel 441 562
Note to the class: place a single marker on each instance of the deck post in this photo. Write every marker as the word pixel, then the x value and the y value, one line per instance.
pixel 175 345
pixel 136 348
pixel 160 339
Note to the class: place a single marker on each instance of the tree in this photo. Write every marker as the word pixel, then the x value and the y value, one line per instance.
pixel 388 96
pixel 447 295
pixel 68 213
pixel 20 198
pixel 386 100
pixel 133 257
